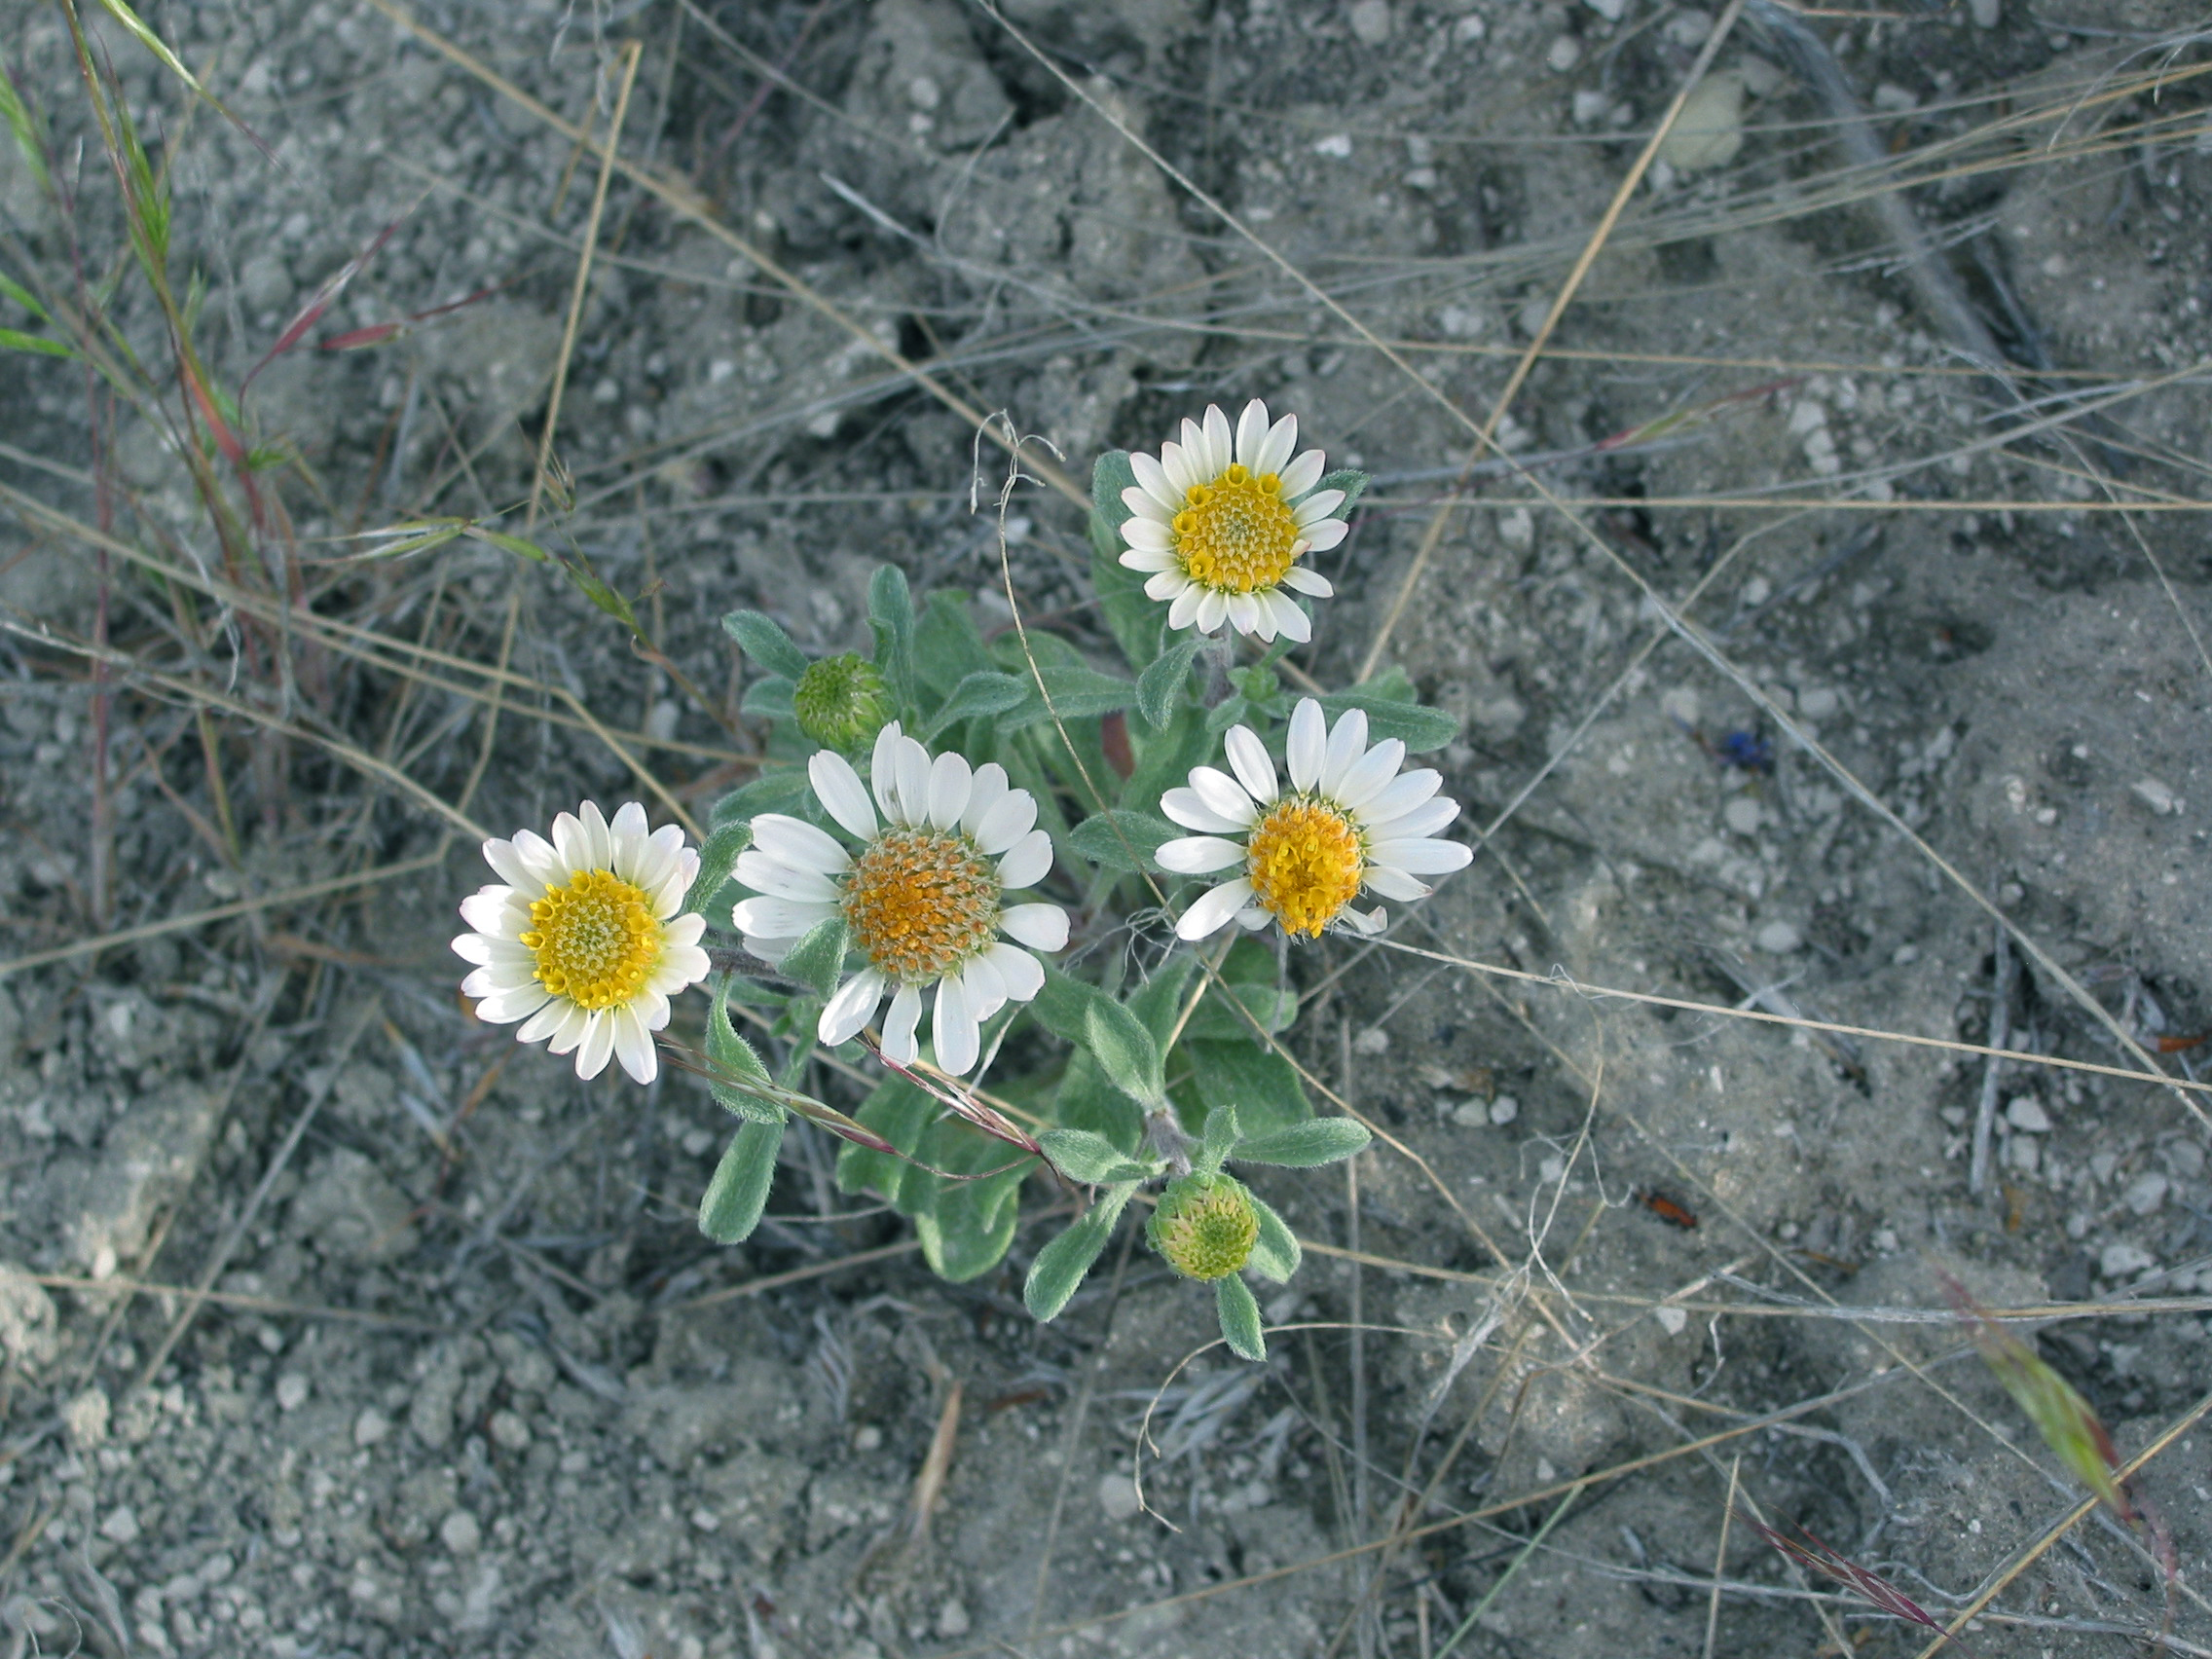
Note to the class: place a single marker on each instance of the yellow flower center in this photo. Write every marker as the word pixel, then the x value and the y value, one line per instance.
pixel 1305 864
pixel 921 902
pixel 1235 534
pixel 1206 1225
pixel 596 941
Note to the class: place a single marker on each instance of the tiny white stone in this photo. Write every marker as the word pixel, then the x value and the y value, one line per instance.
pixel 120 1526
pixel 1469 29
pixel 1470 1114
pixel 1373 1041
pixel 952 1618
pixel 461 1532
pixel 292 1391
pixel 2124 1261
pixel 371 1427
pixel 1337 144
pixel 509 1431
pixel 1590 108
pixel 1672 1321
pixel 1817 703
pixel 1505 1108
pixel 1118 1496
pixel 1985 13
pixel 1742 815
pixel 2155 796
pixel 1565 54
pixel 1778 938
pixel 868 1437
pixel 2025 1112
pixel 706 1520
pixel 1886 1241
pixel 2145 1194
pixel 1372 22
pixel 1609 10
pixel 1517 528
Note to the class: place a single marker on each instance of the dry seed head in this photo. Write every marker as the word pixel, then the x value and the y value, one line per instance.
pixel 1204 1226
pixel 920 901
pixel 842 702
pixel 595 941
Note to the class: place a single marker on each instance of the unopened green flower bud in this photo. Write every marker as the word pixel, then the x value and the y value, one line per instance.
pixel 1204 1226
pixel 842 702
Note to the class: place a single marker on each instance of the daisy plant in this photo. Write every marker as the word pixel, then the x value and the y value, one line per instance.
pixel 998 872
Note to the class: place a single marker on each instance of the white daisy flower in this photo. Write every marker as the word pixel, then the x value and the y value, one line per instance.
pixel 1219 524
pixel 1351 821
pixel 923 898
pixel 584 942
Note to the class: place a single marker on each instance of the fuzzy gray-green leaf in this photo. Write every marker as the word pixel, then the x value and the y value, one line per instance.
pixel 1275 1253
pixel 1090 1158
pixel 819 957
pixel 1124 1050
pixel 1305 1146
pixel 1157 685
pixel 1239 1318
pixel 759 638
pixel 1059 1267
pixel 731 1206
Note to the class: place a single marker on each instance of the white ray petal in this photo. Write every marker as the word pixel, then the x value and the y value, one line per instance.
pixel 883 772
pixel 1348 742
pixel 1181 469
pixel 1301 474
pixel 1369 775
pixel 1040 927
pixel 1148 534
pixel 508 863
pixel 1406 790
pixel 1221 446
pixel 913 763
pixel 1006 821
pixel 1425 819
pixel 1213 611
pixel 602 839
pixel 473 947
pixel 1023 975
pixel 1305 579
pixel 852 1007
pixel 1306 744
pixel 1290 620
pixel 765 876
pixel 843 795
pixel 1395 884
pixel 634 1046
pixel 1184 609
pixel 1151 563
pixel 1172 585
pixel 949 777
pixel 1423 855
pixel 574 1026
pixel 545 1021
pixel 1252 434
pixel 779 918
pixel 1248 756
pixel 987 992
pixel 1320 538
pixel 1316 508
pixel 985 790
pixel 1275 448
pixel 795 842
pixel 1221 794
pixel 1198 855
pixel 598 1045
pixel 1244 614
pixel 899 1024
pixel 1152 479
pixel 1189 808
pixel 1027 861
pixel 952 1028
pixel 1212 909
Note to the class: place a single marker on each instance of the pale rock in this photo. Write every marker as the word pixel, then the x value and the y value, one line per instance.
pixel 1609 10
pixel 120 1526
pixel 952 1619
pixel 1710 131
pixel 2155 795
pixel 28 1329
pixel 1778 937
pixel 1743 815
pixel 1672 1321
pixel 1564 54
pixel 1503 1110
pixel 1118 1496
pixel 2024 1112
pixel 85 1418
pixel 2145 1194
pixel 1372 22
pixel 371 1429
pixel 1985 13
pixel 2124 1261
pixel 459 1532
pixel 1590 108
pixel 292 1390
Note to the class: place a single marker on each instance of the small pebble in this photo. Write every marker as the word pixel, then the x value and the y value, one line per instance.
pixel 1670 1319
pixel 1818 702
pixel 508 1430
pixel 1778 938
pixel 292 1390
pixel 1505 1108
pixel 1565 54
pixel 1373 1041
pixel 2025 1112
pixel 86 1418
pixel 1590 108
pixel 371 1427
pixel 1118 1496
pixel 1985 13
pixel 461 1532
pixel 1743 815
pixel 2155 796
pixel 952 1618
pixel 868 1437
pixel 1372 23
pixel 1609 10
pixel 120 1526
pixel 2145 1194
pixel 2124 1261
pixel 706 1520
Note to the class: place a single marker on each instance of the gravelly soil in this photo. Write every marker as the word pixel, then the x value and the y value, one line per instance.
pixel 472 1383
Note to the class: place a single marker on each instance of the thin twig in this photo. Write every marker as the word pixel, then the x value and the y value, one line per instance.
pixel 2000 1035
